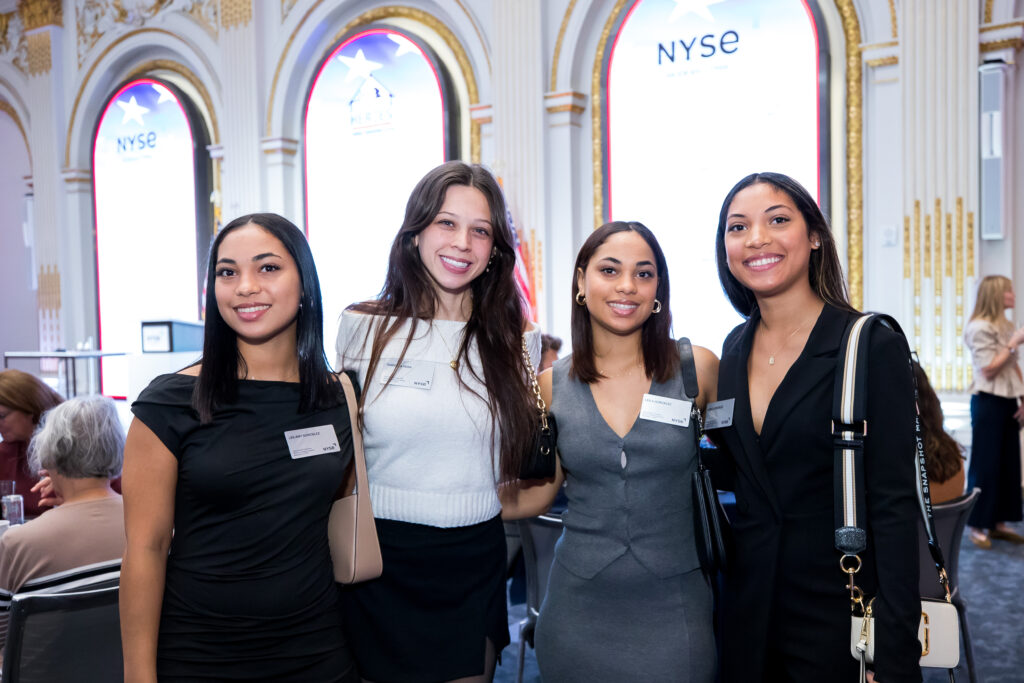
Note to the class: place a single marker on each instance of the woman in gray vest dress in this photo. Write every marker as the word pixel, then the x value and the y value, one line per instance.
pixel 626 599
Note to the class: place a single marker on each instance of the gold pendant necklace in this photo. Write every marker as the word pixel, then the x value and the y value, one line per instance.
pixel 454 362
pixel 771 356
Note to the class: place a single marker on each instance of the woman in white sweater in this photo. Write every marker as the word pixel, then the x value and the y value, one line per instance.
pixel 446 416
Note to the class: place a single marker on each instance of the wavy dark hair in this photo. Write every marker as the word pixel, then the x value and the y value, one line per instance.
pixel 217 384
pixel 496 321
pixel 661 359
pixel 826 272
pixel 943 455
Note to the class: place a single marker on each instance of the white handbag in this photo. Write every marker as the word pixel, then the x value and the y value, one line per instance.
pixel 939 629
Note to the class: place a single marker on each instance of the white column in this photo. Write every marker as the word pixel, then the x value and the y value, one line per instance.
pixel 240 129
pixel 279 162
pixel 566 227
pixel 518 86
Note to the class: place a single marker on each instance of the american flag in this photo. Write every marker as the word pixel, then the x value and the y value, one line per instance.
pixel 523 272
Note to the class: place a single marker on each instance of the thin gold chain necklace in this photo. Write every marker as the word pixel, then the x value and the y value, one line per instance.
pixel 454 362
pixel 771 356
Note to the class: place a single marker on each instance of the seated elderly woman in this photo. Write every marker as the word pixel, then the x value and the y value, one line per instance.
pixel 23 400
pixel 80 444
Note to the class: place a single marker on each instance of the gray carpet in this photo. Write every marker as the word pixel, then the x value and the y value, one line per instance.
pixel 992 583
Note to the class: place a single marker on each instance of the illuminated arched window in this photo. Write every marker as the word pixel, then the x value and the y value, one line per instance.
pixel 376 121
pixel 700 93
pixel 151 232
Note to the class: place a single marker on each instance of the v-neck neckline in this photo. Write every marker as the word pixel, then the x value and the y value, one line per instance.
pixel 786 378
pixel 604 421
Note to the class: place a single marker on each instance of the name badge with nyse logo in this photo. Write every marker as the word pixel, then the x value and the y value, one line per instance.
pixel 719 414
pixel 417 374
pixel 302 443
pixel 668 410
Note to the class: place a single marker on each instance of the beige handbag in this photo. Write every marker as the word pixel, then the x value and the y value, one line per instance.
pixel 939 633
pixel 351 531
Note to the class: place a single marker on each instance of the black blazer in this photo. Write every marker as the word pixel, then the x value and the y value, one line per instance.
pixel 786 609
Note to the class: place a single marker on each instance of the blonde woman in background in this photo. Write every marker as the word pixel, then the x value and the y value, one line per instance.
pixel 996 416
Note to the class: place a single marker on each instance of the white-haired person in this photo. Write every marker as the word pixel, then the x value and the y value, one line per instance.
pixel 79 443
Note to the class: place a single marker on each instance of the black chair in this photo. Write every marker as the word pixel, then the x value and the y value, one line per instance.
pixel 950 519
pixel 539 535
pixel 64 637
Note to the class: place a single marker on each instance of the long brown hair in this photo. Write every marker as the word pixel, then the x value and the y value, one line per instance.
pixel 497 318
pixel 990 304
pixel 825 271
pixel 661 360
pixel 22 391
pixel 943 455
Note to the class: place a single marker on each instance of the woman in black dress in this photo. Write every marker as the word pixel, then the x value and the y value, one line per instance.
pixel 227 573
pixel 786 609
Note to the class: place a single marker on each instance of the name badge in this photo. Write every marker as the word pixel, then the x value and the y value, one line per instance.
pixel 719 414
pixel 417 374
pixel 302 443
pixel 668 410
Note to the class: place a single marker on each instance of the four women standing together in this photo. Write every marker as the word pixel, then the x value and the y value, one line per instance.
pixel 227 574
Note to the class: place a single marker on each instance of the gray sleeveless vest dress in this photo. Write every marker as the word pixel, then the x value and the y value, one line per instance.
pixel 626 599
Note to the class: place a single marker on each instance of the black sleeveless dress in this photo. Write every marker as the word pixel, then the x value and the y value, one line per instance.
pixel 249 593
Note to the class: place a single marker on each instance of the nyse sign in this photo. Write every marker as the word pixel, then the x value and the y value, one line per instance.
pixel 136 143
pixel 708 46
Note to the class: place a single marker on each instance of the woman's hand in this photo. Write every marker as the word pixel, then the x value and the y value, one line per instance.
pixel 1017 338
pixel 49 496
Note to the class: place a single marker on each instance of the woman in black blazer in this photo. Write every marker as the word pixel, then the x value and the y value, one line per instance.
pixel 786 607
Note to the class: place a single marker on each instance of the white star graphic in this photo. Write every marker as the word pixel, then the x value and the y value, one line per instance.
pixel 133 111
pixel 405 46
pixel 165 94
pixel 698 7
pixel 358 66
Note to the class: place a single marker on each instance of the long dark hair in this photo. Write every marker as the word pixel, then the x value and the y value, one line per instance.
pixel 497 318
pixel 943 455
pixel 826 272
pixel 218 376
pixel 661 360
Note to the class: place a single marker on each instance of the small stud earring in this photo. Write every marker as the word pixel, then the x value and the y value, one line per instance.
pixel 657 307
pixel 581 299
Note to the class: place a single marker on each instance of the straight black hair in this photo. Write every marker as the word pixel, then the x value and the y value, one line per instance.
pixel 221 362
pixel 661 359
pixel 826 272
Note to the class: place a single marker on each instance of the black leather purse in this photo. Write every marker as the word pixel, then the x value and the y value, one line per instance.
pixel 540 461
pixel 711 525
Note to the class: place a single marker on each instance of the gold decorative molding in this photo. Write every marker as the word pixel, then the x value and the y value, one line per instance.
pixel 949 245
pixel 5 25
pixel 854 153
pixel 996 27
pixel 48 293
pixel 878 46
pixel 596 112
pixel 39 56
pixel 892 19
pixel 927 245
pixel 883 61
pixel 559 108
pixel 235 13
pixel 1015 44
pixel 986 17
pixel 906 247
pixel 558 44
pixel 917 273
pixel 39 13
pixel 959 293
pixel 164 64
pixel 148 68
pixel 286 7
pixel 479 35
pixel 382 13
pixel 95 19
pixel 6 108
pixel 970 244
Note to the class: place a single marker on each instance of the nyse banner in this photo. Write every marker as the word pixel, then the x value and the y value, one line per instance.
pixel 374 126
pixel 699 94
pixel 144 180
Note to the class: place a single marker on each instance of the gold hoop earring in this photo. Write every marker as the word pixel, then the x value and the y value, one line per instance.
pixel 657 307
pixel 581 299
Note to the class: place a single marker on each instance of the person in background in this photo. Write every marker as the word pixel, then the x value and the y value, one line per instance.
pixel 944 458
pixel 626 599
pixel 227 572
pixel 447 414
pixel 23 400
pixel 549 348
pixel 786 608
pixel 79 443
pixel 996 413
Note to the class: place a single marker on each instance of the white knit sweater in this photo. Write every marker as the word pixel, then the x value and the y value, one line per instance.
pixel 428 451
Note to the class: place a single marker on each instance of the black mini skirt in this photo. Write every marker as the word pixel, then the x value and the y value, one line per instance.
pixel 442 593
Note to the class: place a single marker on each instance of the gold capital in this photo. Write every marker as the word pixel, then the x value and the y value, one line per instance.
pixel 39 13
